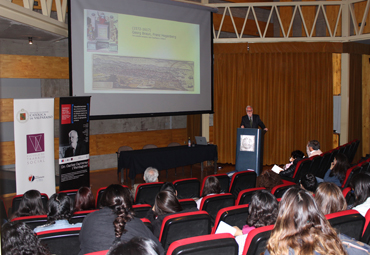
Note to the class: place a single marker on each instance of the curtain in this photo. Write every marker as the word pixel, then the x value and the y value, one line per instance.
pixel 292 93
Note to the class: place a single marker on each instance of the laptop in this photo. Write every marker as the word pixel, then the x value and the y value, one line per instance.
pixel 200 140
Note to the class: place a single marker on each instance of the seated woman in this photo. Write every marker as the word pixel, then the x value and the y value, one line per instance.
pixel 17 238
pixel 263 211
pixel 301 228
pixel 360 184
pixel 31 204
pixel 338 170
pixel 60 209
pixel 211 187
pixel 113 223
pixel 309 183
pixel 329 198
pixel 84 199
pixel 166 203
pixel 136 246
pixel 289 169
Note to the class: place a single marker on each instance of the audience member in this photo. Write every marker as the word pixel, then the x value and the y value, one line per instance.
pixel 288 171
pixel 360 183
pixel 329 198
pixel 150 175
pixel 114 222
pixel 60 209
pixel 31 204
pixel 338 170
pixel 313 148
pixel 211 187
pixel 136 246
pixel 301 228
pixel 169 186
pixel 309 183
pixel 268 179
pixel 84 199
pixel 166 203
pixel 263 211
pixel 19 239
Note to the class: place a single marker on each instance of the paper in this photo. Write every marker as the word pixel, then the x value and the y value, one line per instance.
pixel 225 228
pixel 277 169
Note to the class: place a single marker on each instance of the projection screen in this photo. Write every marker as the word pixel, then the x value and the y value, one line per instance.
pixel 141 58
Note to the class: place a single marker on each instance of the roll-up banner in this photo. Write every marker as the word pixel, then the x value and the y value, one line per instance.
pixel 74 162
pixel 34 145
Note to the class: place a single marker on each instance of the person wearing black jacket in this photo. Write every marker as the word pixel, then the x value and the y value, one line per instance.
pixel 296 156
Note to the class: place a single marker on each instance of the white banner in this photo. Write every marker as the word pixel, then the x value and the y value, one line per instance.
pixel 34 145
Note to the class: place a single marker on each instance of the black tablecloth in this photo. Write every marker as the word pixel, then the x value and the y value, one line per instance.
pixel 165 158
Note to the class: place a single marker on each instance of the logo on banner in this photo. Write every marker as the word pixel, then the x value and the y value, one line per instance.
pixel 22 116
pixel 31 178
pixel 35 143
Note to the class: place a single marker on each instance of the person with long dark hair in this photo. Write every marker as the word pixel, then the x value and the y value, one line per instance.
pixel 360 183
pixel 84 199
pixel 211 187
pixel 115 222
pixel 60 210
pixel 19 239
pixel 30 205
pixel 308 182
pixel 136 246
pixel 263 211
pixel 338 170
pixel 301 228
pixel 166 203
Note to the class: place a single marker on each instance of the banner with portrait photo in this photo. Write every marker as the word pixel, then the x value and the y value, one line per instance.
pixel 34 145
pixel 74 158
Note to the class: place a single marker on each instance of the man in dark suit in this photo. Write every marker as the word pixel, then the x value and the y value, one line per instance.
pixel 252 120
pixel 76 147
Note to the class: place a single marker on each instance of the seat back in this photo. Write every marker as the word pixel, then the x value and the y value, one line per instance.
pixel 315 164
pixel 256 240
pixel 213 203
pixel 33 221
pixel 245 196
pixel 350 173
pixel 98 253
pixel 222 178
pixel 79 216
pixel 366 232
pixel 353 150
pixel 348 195
pixel 187 203
pixel 147 223
pixel 146 192
pixel 205 245
pixel 234 216
pixel 3 213
pixel 61 241
pixel 302 168
pixel 279 190
pixel 16 201
pixel 324 165
pixel 183 225
pixel 187 188
pixel 241 181
pixel 71 193
pixel 100 193
pixel 141 210
pixel 349 222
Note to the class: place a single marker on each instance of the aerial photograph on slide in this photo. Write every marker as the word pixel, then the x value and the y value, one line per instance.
pixel 136 73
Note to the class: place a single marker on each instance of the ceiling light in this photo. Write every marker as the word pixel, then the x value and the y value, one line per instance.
pixel 30 40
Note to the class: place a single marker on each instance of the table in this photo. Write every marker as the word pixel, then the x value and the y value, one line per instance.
pixel 166 158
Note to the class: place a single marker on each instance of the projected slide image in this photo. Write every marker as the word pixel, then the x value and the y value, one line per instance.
pixel 102 31
pixel 134 73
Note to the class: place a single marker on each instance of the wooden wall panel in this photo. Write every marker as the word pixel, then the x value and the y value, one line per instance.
pixel 337 74
pixel 365 104
pixel 359 9
pixel 38 4
pixel 332 15
pixel 109 143
pixel 7 155
pixel 211 138
pixel 33 67
pixel 6 112
pixel 286 14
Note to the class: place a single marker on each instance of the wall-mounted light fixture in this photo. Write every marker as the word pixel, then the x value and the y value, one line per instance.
pixel 30 40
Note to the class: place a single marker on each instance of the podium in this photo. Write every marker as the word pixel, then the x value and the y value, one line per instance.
pixel 249 150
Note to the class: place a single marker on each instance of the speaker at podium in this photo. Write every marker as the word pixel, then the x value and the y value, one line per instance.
pixel 249 149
